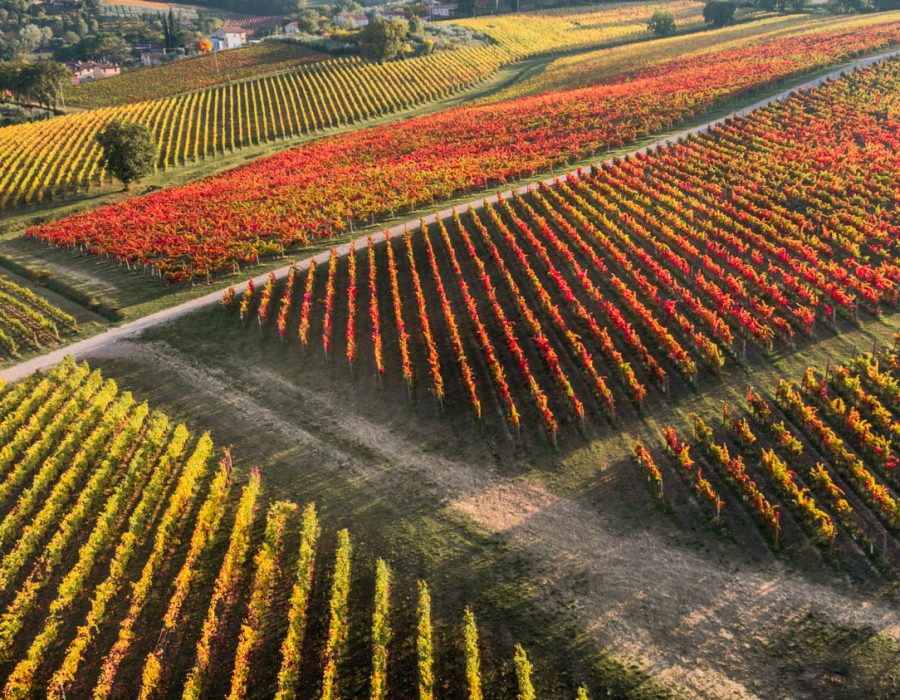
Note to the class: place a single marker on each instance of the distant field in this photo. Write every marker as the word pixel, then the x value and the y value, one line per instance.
pixel 570 29
pixel 59 156
pixel 190 74
pixel 312 192
pixel 586 69
pixel 137 8
pixel 254 24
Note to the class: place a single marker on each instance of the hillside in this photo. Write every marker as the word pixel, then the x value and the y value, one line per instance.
pixel 57 157
pixel 564 366
pixel 189 74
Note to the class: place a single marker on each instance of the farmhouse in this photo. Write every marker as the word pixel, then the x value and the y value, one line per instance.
pixel 84 72
pixel 351 20
pixel 441 10
pixel 223 39
pixel 151 58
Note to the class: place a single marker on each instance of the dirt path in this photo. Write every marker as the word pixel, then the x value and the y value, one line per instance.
pixel 18 371
pixel 691 621
pixel 697 620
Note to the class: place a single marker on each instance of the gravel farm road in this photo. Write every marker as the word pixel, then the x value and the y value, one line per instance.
pixel 82 348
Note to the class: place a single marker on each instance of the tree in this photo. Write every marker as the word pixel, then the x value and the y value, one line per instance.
pixel 40 82
pixel 11 78
pixel 105 47
pixel 31 37
pixel 416 26
pixel 308 21
pixel 45 80
pixel 167 38
pixel 204 46
pixel 128 150
pixel 173 34
pixel 382 39
pixel 7 50
pixel 661 24
pixel 719 12
pixel 173 25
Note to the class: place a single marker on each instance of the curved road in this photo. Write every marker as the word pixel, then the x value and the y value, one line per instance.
pixel 82 348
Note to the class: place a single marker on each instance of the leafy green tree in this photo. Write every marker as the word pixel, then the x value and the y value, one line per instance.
pixel 308 21
pixel 661 24
pixel 45 80
pixel 40 82
pixel 129 150
pixel 719 12
pixel 173 26
pixel 10 76
pixel 7 50
pixel 99 47
pixel 31 37
pixel 416 26
pixel 382 39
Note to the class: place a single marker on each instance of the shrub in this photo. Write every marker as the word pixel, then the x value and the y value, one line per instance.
pixel 719 12
pixel 661 24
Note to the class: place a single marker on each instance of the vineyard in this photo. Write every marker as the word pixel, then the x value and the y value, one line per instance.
pixel 814 462
pixel 133 563
pixel 60 155
pixel 589 68
pixel 190 74
pixel 648 258
pixel 558 31
pixel 133 9
pixel 28 321
pixel 619 419
pixel 254 24
pixel 315 191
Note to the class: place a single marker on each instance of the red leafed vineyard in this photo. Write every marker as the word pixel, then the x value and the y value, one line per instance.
pixel 576 302
pixel 317 190
pixel 136 564
pixel 814 462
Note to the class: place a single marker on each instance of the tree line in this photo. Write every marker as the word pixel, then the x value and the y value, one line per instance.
pixel 39 83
